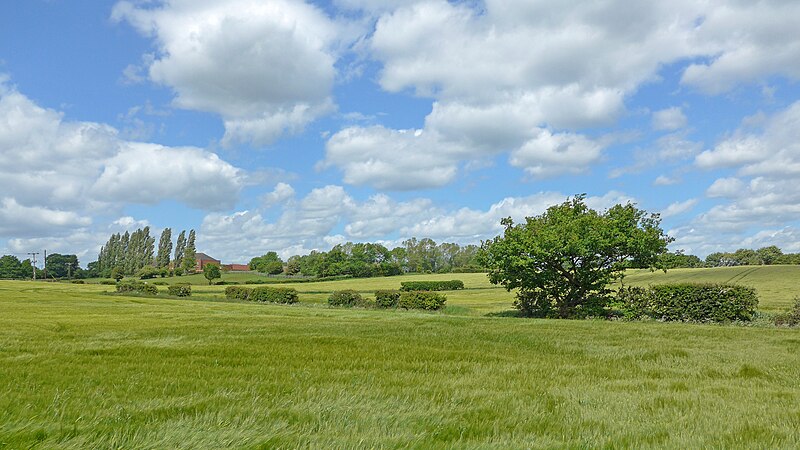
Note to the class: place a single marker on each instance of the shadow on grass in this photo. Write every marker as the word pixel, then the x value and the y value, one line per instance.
pixel 506 313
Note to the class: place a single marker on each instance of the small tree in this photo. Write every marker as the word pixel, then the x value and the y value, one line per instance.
pixel 563 260
pixel 211 272
pixel 117 273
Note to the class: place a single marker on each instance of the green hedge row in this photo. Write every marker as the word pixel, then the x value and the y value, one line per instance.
pixel 690 302
pixel 451 285
pixel 387 299
pixel 347 297
pixel 262 294
pixel 137 286
pixel 430 301
pixel 180 290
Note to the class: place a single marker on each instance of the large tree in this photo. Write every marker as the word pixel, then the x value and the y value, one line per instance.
pixel 164 248
pixel 189 254
pixel 269 263
pixel 562 261
pixel 61 266
pixel 180 248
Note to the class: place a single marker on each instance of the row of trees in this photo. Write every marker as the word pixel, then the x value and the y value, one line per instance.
pixel 748 257
pixel 130 253
pixel 56 264
pixel 371 259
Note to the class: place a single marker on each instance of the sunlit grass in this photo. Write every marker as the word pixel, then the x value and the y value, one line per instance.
pixel 81 369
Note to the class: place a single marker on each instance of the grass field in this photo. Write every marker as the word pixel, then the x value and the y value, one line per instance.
pixel 83 369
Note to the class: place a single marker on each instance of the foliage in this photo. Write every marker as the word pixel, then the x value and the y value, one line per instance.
pixel 422 300
pixel 180 249
pixel 180 290
pixel 137 286
pixel 790 318
pixel 130 252
pixel 11 267
pixel 269 263
pixel 148 272
pixel 748 257
pixel 164 248
pixel 189 261
pixel 211 272
pixel 347 297
pixel 61 266
pixel 563 260
pixel 678 260
pixel 387 299
pixel 238 292
pixel 451 285
pixel 274 295
pixel 693 302
pixel 117 273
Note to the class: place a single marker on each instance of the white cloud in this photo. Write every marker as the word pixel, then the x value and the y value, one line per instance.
pixel 27 221
pixel 266 67
pixel 669 119
pixel 663 180
pixel 282 193
pixel 551 154
pixel 678 208
pixel 726 187
pixel 765 42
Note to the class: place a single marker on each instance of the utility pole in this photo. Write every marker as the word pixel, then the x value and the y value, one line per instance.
pixel 33 257
pixel 45 265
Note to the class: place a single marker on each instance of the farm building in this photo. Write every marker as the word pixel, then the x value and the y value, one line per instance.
pixel 203 259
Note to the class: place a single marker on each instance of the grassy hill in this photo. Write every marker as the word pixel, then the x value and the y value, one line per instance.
pixel 82 369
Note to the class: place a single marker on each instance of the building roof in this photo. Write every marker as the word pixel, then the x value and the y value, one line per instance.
pixel 203 257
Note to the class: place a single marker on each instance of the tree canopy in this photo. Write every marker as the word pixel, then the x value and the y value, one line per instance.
pixel 563 260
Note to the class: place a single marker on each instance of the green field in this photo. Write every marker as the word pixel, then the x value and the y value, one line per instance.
pixel 83 369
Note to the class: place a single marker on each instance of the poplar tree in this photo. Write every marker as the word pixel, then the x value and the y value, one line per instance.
pixel 164 248
pixel 189 255
pixel 180 248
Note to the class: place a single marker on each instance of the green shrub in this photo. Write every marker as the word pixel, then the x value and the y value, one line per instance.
pixel 790 318
pixel 78 282
pixel 108 282
pixel 160 283
pixel 347 297
pixel 274 295
pixel 137 286
pixel 422 300
pixel 690 302
pixel 238 292
pixel 180 290
pixel 451 285
pixel 387 299
pixel 148 272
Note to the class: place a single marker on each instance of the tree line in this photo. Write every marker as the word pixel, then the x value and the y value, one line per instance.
pixel 133 253
pixel 362 260
pixel 763 256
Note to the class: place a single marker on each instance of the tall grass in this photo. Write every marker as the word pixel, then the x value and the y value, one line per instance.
pixel 79 369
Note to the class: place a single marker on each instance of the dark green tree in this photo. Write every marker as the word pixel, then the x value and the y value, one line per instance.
pixel 11 267
pixel 562 261
pixel 212 272
pixel 180 248
pixel 61 266
pixel 269 263
pixel 189 254
pixel 164 249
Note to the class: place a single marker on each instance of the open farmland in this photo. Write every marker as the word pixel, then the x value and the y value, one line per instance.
pixel 82 369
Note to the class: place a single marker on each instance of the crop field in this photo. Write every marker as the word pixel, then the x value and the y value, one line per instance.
pixel 83 369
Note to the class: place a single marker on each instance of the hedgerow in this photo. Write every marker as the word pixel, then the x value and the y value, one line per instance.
pixel 180 290
pixel 451 285
pixel 422 300
pixel 137 286
pixel 274 295
pixel 387 299
pixel 347 297
pixel 690 302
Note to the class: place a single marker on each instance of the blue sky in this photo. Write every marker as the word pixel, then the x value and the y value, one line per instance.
pixel 292 126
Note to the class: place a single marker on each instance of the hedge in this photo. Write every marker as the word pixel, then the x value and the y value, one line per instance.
pixel 690 302
pixel 274 295
pixel 387 299
pixel 347 297
pixel 790 318
pixel 422 300
pixel 137 286
pixel 180 290
pixel 451 285
pixel 237 293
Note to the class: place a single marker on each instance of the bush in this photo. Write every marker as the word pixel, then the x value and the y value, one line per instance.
pixel 108 282
pixel 180 290
pixel 387 299
pixel 346 297
pixel 137 286
pixel 690 302
pixel 451 285
pixel 148 272
pixel 78 282
pixel 160 283
pixel 790 318
pixel 422 300
pixel 275 295
pixel 238 292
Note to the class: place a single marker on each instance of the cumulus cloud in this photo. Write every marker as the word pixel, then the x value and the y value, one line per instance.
pixel 266 67
pixel 551 154
pixel 56 174
pixel 678 208
pixel 669 119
